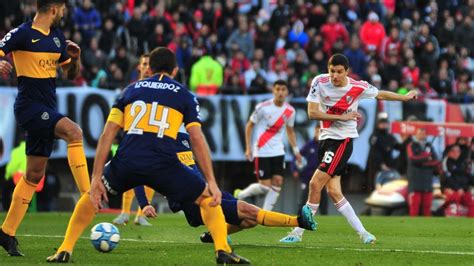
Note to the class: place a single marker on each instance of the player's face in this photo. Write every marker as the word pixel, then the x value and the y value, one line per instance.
pixel 338 75
pixel 144 67
pixel 279 93
pixel 58 11
pixel 421 134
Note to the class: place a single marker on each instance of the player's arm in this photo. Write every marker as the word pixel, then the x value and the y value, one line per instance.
pixel 248 140
pixel 98 191
pixel 314 113
pixel 72 67
pixel 290 131
pixel 10 42
pixel 146 207
pixel 203 158
pixel 392 96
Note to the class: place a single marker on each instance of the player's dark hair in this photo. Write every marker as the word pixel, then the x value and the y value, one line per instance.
pixel 145 55
pixel 162 59
pixel 43 5
pixel 339 60
pixel 280 82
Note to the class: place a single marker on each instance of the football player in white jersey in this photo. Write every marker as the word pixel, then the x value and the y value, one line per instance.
pixel 333 100
pixel 270 119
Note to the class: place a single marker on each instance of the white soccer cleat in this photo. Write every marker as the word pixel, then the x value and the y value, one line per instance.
pixel 292 237
pixel 141 220
pixel 367 238
pixel 122 219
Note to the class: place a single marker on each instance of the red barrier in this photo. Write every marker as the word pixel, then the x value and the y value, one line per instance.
pixel 434 129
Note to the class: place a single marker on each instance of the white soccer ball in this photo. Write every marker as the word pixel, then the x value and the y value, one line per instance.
pixel 105 237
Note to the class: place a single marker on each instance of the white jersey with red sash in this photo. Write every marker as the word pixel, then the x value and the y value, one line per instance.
pixel 339 100
pixel 270 121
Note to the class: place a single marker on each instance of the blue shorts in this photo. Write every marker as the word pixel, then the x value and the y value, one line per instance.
pixel 176 181
pixel 38 121
pixel 193 212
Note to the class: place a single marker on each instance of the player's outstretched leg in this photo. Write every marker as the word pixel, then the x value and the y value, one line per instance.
pixel 82 216
pixel 124 216
pixel 214 219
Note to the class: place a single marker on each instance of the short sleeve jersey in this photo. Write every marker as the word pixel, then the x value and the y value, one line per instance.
pixel 36 56
pixel 336 100
pixel 270 122
pixel 151 112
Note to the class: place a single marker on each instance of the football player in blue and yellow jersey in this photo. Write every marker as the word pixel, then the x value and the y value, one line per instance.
pixel 39 48
pixel 238 214
pixel 151 112
pixel 127 197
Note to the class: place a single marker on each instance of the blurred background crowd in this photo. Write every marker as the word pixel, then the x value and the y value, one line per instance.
pixel 241 47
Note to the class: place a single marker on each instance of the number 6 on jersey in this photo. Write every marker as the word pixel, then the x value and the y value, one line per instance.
pixel 328 156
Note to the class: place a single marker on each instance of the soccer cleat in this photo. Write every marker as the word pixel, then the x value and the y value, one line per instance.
pixel 207 238
pixel 292 237
pixel 224 258
pixel 141 220
pixel 367 238
pixel 237 192
pixel 305 219
pixel 122 219
pixel 61 257
pixel 10 244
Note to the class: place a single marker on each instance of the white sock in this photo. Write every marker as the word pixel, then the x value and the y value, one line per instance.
pixel 344 207
pixel 314 207
pixel 271 198
pixel 314 210
pixel 253 189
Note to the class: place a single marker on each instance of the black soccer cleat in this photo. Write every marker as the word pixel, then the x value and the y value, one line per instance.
pixel 206 238
pixel 224 258
pixel 61 257
pixel 10 244
pixel 305 219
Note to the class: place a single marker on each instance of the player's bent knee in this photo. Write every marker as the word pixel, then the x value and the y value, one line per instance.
pixel 74 134
pixel 34 176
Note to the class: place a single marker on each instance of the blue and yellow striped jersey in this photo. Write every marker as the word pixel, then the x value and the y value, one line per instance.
pixel 36 55
pixel 151 112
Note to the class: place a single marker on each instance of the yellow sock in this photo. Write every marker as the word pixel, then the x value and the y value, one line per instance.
pixel 127 198
pixel 21 198
pixel 78 164
pixel 149 192
pixel 269 218
pixel 82 216
pixel 214 219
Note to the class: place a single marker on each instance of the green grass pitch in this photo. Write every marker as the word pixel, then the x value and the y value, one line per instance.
pixel 170 241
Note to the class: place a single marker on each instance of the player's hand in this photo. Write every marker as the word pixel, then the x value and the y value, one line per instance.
pixel 411 95
pixel 248 154
pixel 98 192
pixel 73 49
pixel 215 194
pixel 149 211
pixel 5 67
pixel 299 160
pixel 350 116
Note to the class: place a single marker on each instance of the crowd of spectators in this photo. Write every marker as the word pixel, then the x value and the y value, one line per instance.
pixel 241 47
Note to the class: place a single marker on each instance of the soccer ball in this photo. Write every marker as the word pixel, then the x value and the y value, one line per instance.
pixel 105 237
